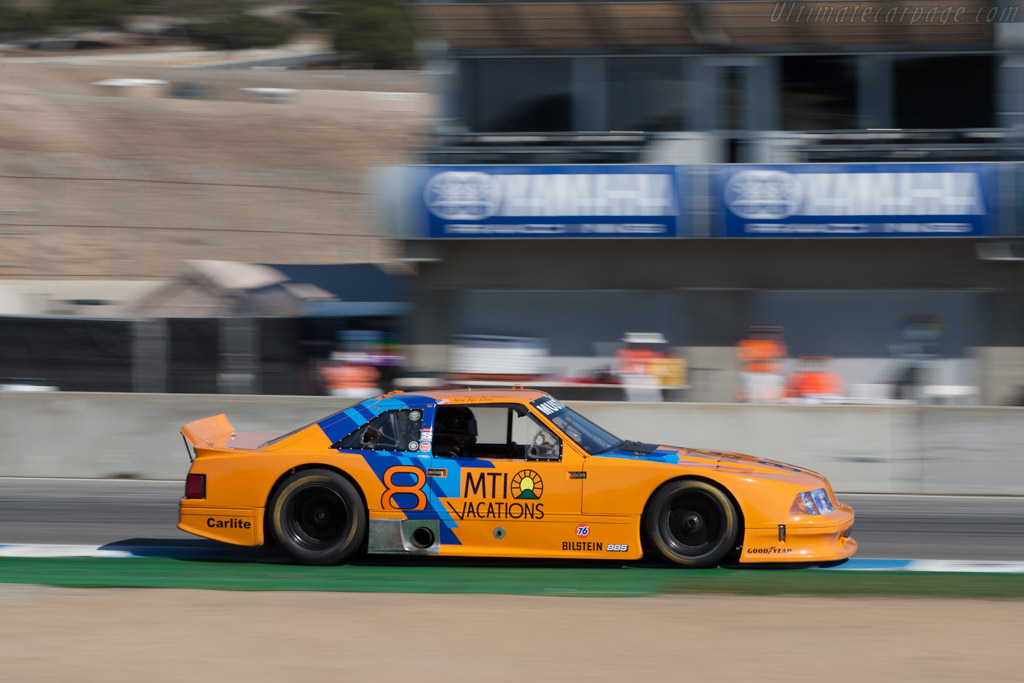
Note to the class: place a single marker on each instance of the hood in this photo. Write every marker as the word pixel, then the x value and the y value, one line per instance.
pixel 678 455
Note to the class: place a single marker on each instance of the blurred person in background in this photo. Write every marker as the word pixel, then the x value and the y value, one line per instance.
pixel 761 355
pixel 815 381
pixel 377 351
pixel 644 366
pixel 349 380
pixel 920 334
pixel 909 380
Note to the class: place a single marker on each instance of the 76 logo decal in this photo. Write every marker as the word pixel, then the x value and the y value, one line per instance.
pixel 583 530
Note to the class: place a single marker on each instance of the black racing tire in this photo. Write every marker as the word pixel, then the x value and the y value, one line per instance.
pixel 691 523
pixel 318 517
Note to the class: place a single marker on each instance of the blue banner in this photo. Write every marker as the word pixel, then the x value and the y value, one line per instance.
pixel 635 201
pixel 857 200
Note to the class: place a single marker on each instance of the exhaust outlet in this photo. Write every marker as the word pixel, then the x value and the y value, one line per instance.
pixel 422 537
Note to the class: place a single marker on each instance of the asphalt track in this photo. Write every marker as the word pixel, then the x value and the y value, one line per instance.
pixel 104 512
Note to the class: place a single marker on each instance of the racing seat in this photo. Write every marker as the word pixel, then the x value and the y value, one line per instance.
pixel 454 431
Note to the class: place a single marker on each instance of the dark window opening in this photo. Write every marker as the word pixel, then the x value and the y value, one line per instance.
pixel 528 95
pixel 645 94
pixel 395 430
pixel 819 93
pixel 944 92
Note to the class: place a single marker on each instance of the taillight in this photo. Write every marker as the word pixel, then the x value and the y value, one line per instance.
pixel 195 486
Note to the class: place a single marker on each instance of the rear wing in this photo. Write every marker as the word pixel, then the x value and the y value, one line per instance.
pixel 206 433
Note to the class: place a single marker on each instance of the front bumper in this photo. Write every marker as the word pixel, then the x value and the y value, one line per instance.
pixel 805 541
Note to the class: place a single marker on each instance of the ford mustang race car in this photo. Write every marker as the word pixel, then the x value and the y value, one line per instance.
pixel 502 473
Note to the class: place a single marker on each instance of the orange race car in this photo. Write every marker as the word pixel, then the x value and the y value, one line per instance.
pixel 499 473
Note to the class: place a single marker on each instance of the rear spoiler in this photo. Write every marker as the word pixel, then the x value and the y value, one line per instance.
pixel 205 433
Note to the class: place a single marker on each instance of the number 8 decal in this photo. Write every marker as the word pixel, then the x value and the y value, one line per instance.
pixel 393 489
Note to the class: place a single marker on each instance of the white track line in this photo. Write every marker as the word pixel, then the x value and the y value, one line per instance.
pixel 966 566
pixel 53 550
pixel 44 550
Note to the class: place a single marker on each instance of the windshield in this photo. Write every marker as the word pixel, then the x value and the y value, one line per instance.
pixel 588 435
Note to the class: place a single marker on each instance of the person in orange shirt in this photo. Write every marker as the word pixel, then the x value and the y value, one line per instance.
pixel 351 381
pixel 815 381
pixel 636 365
pixel 762 364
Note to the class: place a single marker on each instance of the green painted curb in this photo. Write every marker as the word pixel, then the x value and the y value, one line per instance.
pixel 572 581
pixel 172 573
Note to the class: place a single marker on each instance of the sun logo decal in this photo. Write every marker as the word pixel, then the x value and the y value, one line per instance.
pixel 527 485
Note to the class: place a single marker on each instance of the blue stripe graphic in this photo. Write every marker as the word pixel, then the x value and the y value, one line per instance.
pixel 671 457
pixel 871 565
pixel 449 487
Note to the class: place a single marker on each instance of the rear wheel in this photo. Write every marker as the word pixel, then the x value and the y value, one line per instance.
pixel 318 517
pixel 691 523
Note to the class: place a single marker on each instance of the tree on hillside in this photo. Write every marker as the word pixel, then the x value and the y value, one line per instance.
pixel 240 32
pixel 21 20
pixel 379 33
pixel 88 12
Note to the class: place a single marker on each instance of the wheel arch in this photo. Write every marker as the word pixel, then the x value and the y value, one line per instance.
pixel 268 535
pixel 741 521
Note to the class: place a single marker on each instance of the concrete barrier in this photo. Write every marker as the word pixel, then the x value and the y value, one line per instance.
pixel 859 448
pixel 868 449
pixel 101 435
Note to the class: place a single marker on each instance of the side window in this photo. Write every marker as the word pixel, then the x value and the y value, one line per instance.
pixel 536 441
pixel 492 431
pixel 395 430
pixel 455 432
pixel 491 424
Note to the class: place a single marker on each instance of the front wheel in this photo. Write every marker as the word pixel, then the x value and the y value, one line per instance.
pixel 691 523
pixel 318 517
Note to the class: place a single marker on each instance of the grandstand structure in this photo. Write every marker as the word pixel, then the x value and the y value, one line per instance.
pixel 831 81
pixel 811 150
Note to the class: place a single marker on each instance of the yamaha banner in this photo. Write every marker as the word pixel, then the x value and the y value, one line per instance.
pixel 857 200
pixel 635 201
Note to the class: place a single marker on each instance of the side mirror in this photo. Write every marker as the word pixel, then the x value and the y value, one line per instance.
pixel 545 452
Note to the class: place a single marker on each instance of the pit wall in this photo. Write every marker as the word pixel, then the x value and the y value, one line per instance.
pixel 863 449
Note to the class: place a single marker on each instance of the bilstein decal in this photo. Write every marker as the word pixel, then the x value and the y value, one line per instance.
pixel 492 491
pixel 585 546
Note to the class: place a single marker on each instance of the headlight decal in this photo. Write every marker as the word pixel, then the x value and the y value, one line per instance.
pixel 821 501
pixel 814 502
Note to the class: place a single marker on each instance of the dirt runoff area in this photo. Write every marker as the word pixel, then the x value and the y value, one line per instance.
pixel 51 634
